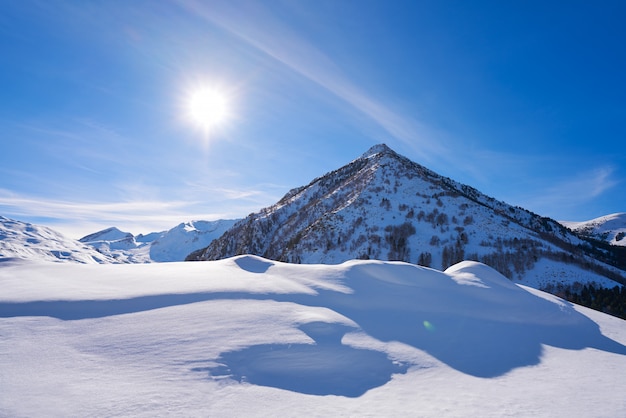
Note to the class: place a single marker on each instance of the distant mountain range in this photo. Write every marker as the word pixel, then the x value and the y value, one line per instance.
pixel 379 206
pixel 171 245
pixel 23 240
pixel 384 206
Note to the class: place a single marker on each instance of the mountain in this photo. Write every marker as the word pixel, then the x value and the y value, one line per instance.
pixel 171 245
pixel 109 234
pixel 384 206
pixel 124 247
pixel 178 242
pixel 609 228
pixel 247 336
pixel 22 240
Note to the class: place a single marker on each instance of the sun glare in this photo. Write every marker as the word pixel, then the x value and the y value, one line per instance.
pixel 207 108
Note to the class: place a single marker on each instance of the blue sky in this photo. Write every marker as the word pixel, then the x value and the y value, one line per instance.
pixel 526 101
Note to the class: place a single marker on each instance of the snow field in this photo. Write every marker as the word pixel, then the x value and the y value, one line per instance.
pixel 252 337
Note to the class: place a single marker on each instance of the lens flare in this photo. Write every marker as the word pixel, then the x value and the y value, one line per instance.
pixel 429 327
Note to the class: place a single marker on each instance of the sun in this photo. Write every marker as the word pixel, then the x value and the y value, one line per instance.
pixel 208 108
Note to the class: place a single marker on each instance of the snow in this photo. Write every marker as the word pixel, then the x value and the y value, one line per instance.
pixel 182 240
pixel 172 245
pixel 24 240
pixel 247 336
pixel 109 234
pixel 376 149
pixel 383 206
pixel 547 272
pixel 611 228
pixel 123 247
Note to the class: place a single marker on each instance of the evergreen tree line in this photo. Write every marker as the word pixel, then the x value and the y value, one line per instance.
pixel 611 301
pixel 515 257
pixel 614 255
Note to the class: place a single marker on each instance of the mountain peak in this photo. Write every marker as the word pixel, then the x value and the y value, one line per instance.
pixel 385 206
pixel 108 234
pixel 377 149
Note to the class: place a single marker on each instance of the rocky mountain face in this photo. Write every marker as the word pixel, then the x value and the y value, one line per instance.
pixel 23 240
pixel 384 206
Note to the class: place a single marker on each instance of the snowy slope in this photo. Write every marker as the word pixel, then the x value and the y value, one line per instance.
pixel 124 247
pixel 172 245
pixel 384 206
pixel 251 337
pixel 109 234
pixel 187 237
pixel 27 241
pixel 34 242
pixel 610 228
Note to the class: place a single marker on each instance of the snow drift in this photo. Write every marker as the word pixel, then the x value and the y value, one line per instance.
pixel 248 336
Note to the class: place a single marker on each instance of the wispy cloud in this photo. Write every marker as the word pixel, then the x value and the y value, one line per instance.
pixel 117 210
pixel 260 29
pixel 143 215
pixel 77 142
pixel 573 192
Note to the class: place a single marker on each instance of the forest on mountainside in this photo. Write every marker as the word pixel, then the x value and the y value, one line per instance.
pixel 611 301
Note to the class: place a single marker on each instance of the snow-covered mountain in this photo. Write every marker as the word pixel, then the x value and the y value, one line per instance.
pixel 172 245
pixel 24 240
pixel 122 246
pixel 247 336
pixel 609 228
pixel 384 206
pixel 107 235
pixel 178 242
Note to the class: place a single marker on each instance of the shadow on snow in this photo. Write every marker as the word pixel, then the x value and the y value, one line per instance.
pixel 325 368
pixel 475 333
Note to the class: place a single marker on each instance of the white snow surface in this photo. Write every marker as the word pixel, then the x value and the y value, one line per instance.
pixel 24 240
pixel 610 228
pixel 246 336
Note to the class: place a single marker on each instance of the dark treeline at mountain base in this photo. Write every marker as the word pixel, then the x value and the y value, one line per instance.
pixel 614 255
pixel 611 301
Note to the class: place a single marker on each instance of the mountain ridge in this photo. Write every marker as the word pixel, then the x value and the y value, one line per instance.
pixel 23 240
pixel 165 246
pixel 610 228
pixel 383 205
pixel 26 241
